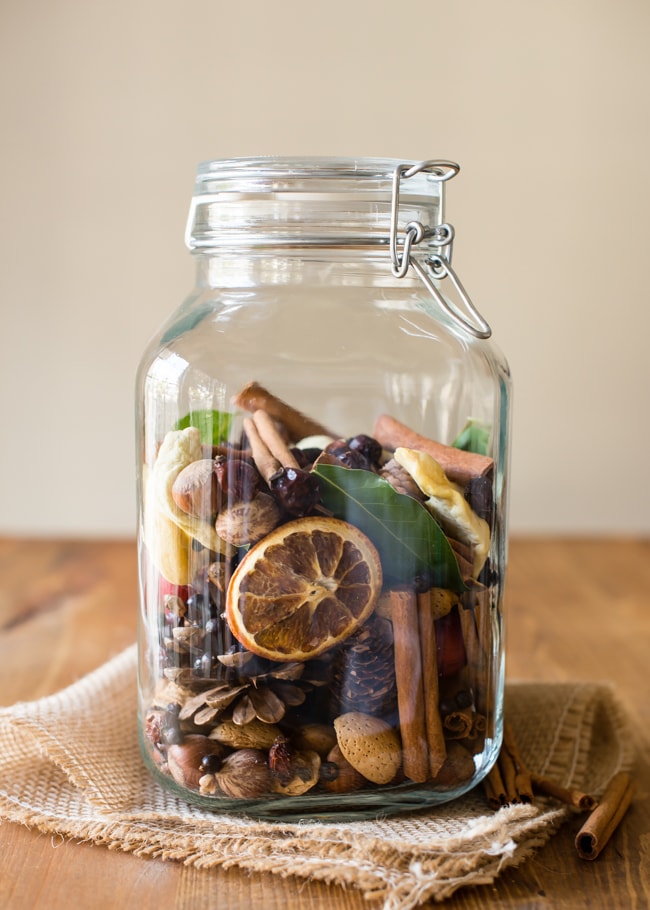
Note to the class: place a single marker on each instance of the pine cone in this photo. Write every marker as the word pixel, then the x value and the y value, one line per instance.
pixel 400 479
pixel 363 672
pixel 254 688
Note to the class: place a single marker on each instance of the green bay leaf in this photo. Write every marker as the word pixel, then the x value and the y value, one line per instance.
pixel 214 426
pixel 409 540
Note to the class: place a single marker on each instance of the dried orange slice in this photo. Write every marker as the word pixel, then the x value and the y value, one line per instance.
pixel 303 588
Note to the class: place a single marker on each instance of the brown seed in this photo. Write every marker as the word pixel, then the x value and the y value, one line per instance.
pixel 195 490
pixel 184 759
pixel 244 774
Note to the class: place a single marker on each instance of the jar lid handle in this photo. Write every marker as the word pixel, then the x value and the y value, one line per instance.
pixel 441 236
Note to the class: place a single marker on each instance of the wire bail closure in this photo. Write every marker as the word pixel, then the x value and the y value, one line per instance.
pixel 440 236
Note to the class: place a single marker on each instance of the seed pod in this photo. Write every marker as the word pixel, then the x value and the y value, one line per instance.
pixel 244 775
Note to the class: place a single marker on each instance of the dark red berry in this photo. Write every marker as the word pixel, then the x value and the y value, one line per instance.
pixel 296 491
pixel 368 447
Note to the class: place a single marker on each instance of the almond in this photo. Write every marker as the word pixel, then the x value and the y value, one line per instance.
pixel 371 746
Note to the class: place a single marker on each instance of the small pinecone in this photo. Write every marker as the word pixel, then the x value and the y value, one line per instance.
pixel 400 479
pixel 363 672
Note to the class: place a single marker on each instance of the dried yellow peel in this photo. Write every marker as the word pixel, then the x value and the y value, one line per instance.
pixel 446 503
pixel 168 530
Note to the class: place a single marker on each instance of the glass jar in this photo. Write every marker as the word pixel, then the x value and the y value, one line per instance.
pixel 322 466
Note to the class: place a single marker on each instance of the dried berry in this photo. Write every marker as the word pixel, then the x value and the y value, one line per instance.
pixel 368 447
pixel 351 458
pixel 296 491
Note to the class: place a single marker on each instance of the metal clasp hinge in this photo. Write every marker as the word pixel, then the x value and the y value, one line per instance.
pixel 440 236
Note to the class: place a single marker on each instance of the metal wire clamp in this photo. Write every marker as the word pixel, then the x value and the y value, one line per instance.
pixel 440 236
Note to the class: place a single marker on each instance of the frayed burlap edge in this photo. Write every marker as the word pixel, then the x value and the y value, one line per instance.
pixel 404 864
pixel 401 879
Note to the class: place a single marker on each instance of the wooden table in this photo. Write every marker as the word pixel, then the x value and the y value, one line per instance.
pixel 577 610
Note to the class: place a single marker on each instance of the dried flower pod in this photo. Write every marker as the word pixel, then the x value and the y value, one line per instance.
pixel 244 775
pixel 297 772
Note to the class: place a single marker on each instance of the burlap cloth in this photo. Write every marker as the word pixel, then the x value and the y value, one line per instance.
pixel 70 766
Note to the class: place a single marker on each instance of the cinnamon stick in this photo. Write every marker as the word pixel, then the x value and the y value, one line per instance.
pixel 494 788
pixel 265 462
pixel 265 426
pixel 571 797
pixel 254 397
pixel 523 784
pixel 458 465
pixel 431 685
pixel 458 724
pixel 508 781
pixel 605 818
pixel 410 689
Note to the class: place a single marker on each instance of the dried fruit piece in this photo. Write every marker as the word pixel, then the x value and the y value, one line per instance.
pixel 303 589
pixel 447 503
pixel 370 745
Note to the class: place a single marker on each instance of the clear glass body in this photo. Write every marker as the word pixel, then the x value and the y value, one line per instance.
pixel 322 480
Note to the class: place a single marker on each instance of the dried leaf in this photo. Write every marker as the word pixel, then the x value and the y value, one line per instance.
pixel 409 541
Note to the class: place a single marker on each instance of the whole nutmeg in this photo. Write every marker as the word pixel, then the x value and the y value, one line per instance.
pixel 247 522
pixel 185 759
pixel 244 774
pixel 195 490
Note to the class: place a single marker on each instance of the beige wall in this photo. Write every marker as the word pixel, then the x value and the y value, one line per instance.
pixel 107 107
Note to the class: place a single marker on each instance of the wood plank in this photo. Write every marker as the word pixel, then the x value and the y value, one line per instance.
pixel 576 610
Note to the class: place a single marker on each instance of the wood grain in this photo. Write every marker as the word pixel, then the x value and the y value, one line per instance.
pixel 576 610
